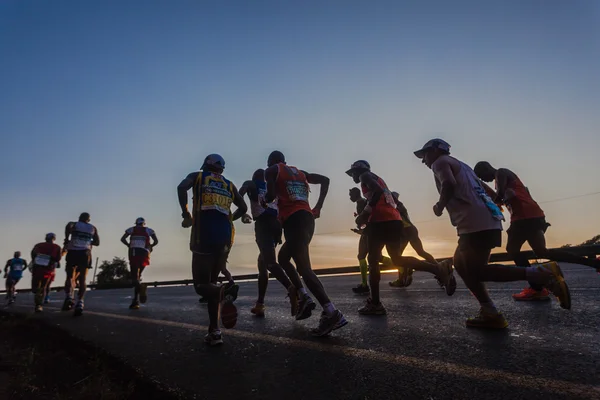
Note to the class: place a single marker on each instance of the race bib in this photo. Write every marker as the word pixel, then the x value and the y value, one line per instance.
pixel 42 260
pixel 216 196
pixel 297 191
pixel 81 240
pixel 138 242
pixel 18 267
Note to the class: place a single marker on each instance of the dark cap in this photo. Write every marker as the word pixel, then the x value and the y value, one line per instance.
pixel 433 144
pixel 359 165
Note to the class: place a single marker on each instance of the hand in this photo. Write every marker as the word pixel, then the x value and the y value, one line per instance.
pixel 438 210
pixel 355 215
pixel 357 231
pixel 316 212
pixel 246 219
pixel 187 219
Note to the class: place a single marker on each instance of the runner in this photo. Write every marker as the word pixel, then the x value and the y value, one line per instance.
pixel 289 186
pixel 211 237
pixel 478 221
pixel 80 236
pixel 46 258
pixel 411 235
pixel 267 230
pixel 527 224
pixel 140 249
pixel 384 229
pixel 363 245
pixel 13 272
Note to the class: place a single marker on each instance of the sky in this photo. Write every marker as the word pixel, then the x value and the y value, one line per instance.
pixel 107 106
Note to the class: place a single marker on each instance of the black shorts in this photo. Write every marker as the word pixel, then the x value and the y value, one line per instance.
pixel 82 259
pixel 299 228
pixel 522 230
pixel 267 230
pixel 385 233
pixel 480 240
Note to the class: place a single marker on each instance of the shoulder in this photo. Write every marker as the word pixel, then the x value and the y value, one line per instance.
pixel 150 231
pixel 129 231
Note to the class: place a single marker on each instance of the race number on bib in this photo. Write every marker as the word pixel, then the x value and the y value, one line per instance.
pixel 17 267
pixel 42 260
pixel 138 242
pixel 297 191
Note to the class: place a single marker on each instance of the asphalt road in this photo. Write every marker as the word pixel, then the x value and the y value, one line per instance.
pixel 420 350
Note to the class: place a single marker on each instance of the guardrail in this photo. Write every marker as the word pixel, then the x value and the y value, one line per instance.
pixel 585 251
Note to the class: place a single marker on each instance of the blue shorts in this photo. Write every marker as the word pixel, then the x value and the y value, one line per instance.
pixel 15 276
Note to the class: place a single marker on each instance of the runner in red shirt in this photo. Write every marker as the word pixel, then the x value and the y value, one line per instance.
pixel 46 257
pixel 290 186
pixel 139 257
pixel 527 224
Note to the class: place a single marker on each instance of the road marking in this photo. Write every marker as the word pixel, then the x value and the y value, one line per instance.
pixel 431 366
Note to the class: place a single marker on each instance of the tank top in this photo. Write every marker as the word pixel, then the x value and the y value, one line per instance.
pixel 17 265
pixel 212 192
pixel 522 206
pixel 385 209
pixel 82 235
pixel 140 237
pixel 256 202
pixel 292 191
pixel 46 254
pixel 470 208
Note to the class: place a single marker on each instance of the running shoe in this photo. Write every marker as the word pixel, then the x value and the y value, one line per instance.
pixel 135 305
pixel 401 282
pixel 305 307
pixel 258 310
pixel 213 338
pixel 39 308
pixel 557 285
pixel 227 309
pixel 143 293
pixel 79 308
pixel 371 308
pixel 68 304
pixel 487 320
pixel 293 295
pixel 529 294
pixel 361 289
pixel 231 291
pixel 446 275
pixel 328 323
pixel 46 299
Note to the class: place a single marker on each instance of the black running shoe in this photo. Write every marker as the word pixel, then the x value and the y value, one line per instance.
pixel 67 305
pixel 361 289
pixel 328 323
pixel 305 307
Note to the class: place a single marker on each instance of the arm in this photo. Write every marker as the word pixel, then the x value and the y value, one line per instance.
pixel 124 239
pixel 68 230
pixel 6 267
pixel 322 180
pixel 488 190
pixel 33 253
pixel 271 178
pixel 96 238
pixel 182 190
pixel 502 179
pixel 154 240
pixel 374 187
pixel 443 172
pixel 247 187
pixel 239 202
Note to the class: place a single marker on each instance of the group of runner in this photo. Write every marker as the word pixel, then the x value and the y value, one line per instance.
pixel 279 206
pixel 80 237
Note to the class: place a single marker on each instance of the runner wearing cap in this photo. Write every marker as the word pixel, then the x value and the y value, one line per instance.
pixel 363 244
pixel 268 233
pixel 139 257
pixel 290 187
pixel 478 221
pixel 45 258
pixel 384 229
pixel 527 224
pixel 80 237
pixel 212 232
pixel 13 272
pixel 410 235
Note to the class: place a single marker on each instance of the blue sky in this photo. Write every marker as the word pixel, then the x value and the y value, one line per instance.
pixel 106 106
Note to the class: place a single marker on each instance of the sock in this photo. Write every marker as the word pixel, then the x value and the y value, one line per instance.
pixel 329 308
pixel 387 261
pixel 303 291
pixel 364 267
pixel 489 308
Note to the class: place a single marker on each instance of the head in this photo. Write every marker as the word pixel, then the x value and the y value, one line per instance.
pixel 17 254
pixel 258 175
pixel 485 171
pixel 213 163
pixel 355 194
pixel 357 169
pixel 432 150
pixel 84 217
pixel 50 237
pixel 275 157
pixel 140 221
